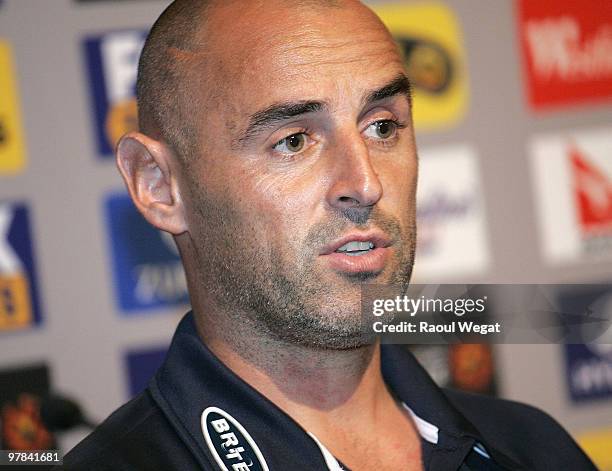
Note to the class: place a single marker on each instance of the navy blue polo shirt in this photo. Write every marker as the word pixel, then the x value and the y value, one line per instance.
pixel 193 381
pixel 196 414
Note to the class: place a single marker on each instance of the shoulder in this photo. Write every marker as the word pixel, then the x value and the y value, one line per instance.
pixel 523 431
pixel 135 436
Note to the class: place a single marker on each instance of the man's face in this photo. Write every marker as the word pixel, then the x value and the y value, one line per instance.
pixel 304 184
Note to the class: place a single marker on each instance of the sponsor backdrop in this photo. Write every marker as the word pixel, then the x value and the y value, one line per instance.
pixel 513 110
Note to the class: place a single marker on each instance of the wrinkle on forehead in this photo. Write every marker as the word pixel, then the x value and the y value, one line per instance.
pixel 252 29
pixel 188 57
pixel 193 64
pixel 290 65
pixel 333 47
pixel 313 55
pixel 304 56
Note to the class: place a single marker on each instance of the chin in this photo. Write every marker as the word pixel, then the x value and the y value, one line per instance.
pixel 331 340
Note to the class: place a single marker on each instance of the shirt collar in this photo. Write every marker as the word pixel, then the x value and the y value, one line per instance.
pixel 435 416
pixel 192 380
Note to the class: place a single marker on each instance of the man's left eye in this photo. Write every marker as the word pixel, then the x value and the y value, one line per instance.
pixel 291 144
pixel 383 129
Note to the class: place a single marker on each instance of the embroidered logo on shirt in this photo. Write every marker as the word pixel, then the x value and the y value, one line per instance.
pixel 229 442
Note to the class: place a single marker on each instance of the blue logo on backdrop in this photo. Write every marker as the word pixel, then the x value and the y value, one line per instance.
pixel 147 268
pixel 112 63
pixel 141 366
pixel 589 366
pixel 19 304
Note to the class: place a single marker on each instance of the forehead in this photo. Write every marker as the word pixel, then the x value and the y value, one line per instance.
pixel 282 51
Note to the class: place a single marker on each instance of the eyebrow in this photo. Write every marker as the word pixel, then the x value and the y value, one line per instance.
pixel 400 85
pixel 279 112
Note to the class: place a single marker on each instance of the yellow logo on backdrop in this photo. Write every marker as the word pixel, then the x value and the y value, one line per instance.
pixel 12 155
pixel 430 38
pixel 596 444
pixel 121 119
pixel 15 308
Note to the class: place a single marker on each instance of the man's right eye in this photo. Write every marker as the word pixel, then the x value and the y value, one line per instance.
pixel 291 144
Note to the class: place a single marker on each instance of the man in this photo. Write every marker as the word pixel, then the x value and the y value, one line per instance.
pixel 277 147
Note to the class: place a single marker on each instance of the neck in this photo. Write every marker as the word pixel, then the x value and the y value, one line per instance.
pixel 337 395
pixel 315 387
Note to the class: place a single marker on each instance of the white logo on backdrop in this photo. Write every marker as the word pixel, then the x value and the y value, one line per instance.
pixel 451 230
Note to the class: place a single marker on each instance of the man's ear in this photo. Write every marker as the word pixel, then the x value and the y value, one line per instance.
pixel 146 167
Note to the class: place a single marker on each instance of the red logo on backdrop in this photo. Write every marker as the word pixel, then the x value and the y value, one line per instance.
pixel 593 192
pixel 567 49
pixel 22 427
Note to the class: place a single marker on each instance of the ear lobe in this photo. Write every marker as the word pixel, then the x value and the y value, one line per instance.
pixel 145 165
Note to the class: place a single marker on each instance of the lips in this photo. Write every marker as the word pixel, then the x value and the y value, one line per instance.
pixel 378 238
pixel 358 252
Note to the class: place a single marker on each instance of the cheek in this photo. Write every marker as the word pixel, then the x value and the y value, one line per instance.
pixel 288 205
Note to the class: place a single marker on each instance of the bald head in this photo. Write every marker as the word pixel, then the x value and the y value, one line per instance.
pixel 172 70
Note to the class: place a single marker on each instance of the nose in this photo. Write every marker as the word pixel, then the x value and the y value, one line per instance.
pixel 354 182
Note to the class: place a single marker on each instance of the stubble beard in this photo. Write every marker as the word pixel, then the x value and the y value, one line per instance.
pixel 292 301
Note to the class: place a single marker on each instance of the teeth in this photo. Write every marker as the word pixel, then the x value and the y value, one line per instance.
pixel 356 246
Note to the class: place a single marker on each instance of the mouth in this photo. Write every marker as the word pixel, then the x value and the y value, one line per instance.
pixel 358 252
pixel 355 248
